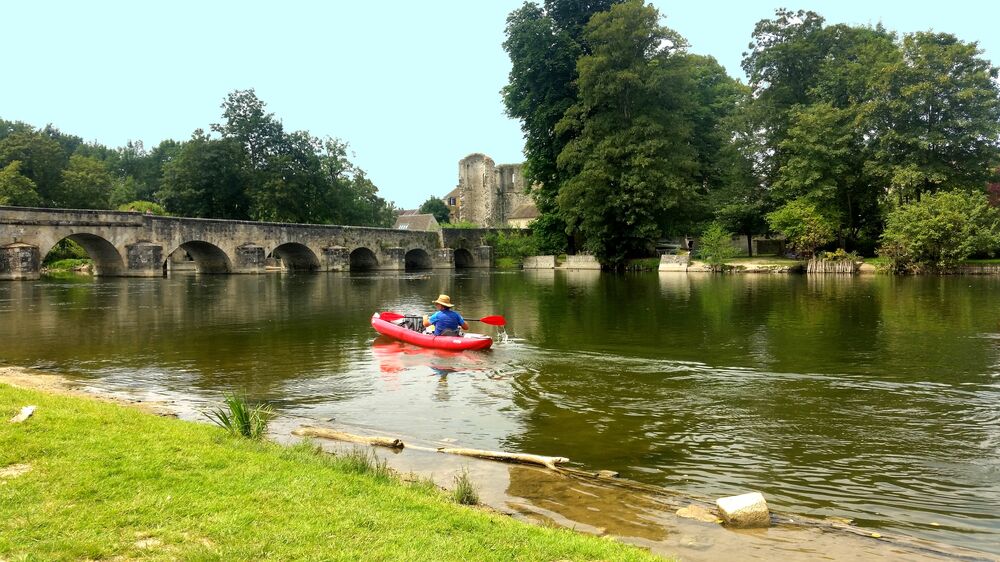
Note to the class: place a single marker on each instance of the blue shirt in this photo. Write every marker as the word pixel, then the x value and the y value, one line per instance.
pixel 446 320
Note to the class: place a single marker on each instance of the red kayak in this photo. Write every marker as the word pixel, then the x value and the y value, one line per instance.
pixel 464 342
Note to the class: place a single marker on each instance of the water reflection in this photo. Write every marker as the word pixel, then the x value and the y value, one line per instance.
pixel 871 398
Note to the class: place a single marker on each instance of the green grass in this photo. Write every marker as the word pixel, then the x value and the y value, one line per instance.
pixel 67 264
pixel 111 482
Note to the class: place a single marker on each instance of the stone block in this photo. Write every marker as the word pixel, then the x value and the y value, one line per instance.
pixel 744 511
pixel 674 263
pixel 580 262
pixel 540 262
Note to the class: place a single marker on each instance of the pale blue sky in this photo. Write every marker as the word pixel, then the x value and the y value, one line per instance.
pixel 412 86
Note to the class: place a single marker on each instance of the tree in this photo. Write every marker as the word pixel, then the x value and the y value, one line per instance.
pixel 940 230
pixel 435 206
pixel 86 184
pixel 206 178
pixel 15 189
pixel 42 161
pixel 715 247
pixel 544 45
pixel 803 225
pixel 630 159
pixel 940 118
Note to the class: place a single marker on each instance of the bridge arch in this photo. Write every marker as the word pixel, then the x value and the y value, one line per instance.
pixel 363 259
pixel 463 258
pixel 417 258
pixel 107 259
pixel 296 257
pixel 208 258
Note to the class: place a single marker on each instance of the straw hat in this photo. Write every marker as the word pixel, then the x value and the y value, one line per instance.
pixel 444 300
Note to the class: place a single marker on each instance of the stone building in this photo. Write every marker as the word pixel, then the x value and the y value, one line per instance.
pixel 488 194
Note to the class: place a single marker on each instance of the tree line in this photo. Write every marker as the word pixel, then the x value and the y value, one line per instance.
pixel 249 167
pixel 629 137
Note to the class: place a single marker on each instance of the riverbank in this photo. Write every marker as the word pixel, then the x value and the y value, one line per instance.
pixel 638 514
pixel 88 479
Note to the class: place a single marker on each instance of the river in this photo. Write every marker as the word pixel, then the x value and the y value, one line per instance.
pixel 872 398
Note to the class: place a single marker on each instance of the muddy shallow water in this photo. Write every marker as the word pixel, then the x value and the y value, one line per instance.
pixel 872 399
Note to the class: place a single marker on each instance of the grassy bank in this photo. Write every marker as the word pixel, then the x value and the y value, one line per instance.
pixel 108 481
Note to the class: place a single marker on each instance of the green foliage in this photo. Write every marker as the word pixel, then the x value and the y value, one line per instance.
pixel 241 419
pixel 67 264
pixel 17 190
pixel 715 246
pixel 66 249
pixel 803 225
pixel 146 207
pixel 86 184
pixel 840 254
pixel 42 161
pixel 549 232
pixel 940 230
pixel 206 178
pixel 461 224
pixel 435 206
pixel 509 245
pixel 465 491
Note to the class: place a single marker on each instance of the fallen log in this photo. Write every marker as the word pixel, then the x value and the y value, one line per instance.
pixel 549 462
pixel 322 432
pixel 25 414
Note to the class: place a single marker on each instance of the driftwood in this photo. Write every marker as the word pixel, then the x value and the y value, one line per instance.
pixel 523 458
pixel 25 414
pixel 310 431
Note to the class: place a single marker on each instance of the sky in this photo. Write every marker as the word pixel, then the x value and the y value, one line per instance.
pixel 413 87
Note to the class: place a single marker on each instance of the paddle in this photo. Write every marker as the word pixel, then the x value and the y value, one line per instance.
pixel 491 320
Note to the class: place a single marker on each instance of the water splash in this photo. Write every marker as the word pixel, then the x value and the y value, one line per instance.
pixel 502 336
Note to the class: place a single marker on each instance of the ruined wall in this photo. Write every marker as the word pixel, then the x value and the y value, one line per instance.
pixel 489 193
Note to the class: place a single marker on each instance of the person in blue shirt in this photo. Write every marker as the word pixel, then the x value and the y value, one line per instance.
pixel 446 321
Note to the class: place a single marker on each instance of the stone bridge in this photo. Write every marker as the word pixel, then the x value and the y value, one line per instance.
pixel 128 244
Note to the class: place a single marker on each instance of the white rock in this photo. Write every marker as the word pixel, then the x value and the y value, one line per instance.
pixel 744 511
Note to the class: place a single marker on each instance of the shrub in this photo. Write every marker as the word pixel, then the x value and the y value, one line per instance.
pixel 803 225
pixel 241 419
pixel 147 207
pixel 465 491
pixel 460 224
pixel 514 246
pixel 939 231
pixel 715 246
pixel 66 249
pixel 840 254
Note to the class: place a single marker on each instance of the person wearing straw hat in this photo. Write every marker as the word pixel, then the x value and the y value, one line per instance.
pixel 446 321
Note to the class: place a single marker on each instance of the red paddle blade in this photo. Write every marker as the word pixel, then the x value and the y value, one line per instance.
pixel 390 316
pixel 493 320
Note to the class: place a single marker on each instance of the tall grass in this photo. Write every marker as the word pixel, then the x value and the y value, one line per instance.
pixel 241 419
pixel 465 491
pixel 363 461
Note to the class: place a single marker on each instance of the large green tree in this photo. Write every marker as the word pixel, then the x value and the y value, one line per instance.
pixel 544 43
pixel 42 161
pixel 939 118
pixel 631 158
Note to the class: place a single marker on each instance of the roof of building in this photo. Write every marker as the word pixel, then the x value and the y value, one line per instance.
pixel 407 212
pixel 526 211
pixel 453 193
pixel 416 222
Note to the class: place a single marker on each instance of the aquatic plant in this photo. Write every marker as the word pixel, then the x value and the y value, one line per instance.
pixel 242 419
